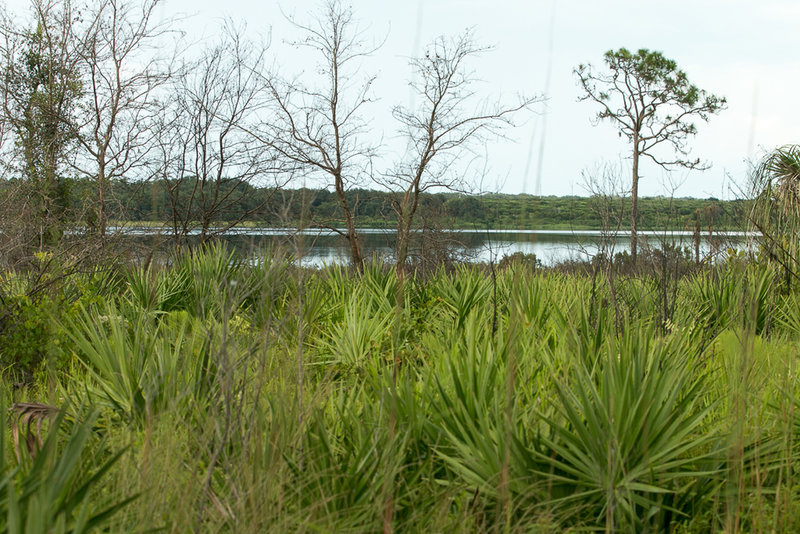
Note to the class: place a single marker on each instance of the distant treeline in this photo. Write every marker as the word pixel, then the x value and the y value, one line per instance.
pixel 150 202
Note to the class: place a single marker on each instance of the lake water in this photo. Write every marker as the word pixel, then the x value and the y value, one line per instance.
pixel 326 247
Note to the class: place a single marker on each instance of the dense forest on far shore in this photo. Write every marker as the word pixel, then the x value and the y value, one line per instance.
pixel 151 202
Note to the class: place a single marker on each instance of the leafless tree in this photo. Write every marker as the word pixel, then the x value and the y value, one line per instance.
pixel 319 127
pixel 119 44
pixel 447 125
pixel 212 160
pixel 608 200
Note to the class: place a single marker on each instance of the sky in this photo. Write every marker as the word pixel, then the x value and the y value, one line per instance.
pixel 748 52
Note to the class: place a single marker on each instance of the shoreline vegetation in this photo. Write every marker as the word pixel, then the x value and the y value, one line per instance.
pixel 149 208
pixel 216 393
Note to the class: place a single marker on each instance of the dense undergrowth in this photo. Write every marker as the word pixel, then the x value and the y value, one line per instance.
pixel 223 394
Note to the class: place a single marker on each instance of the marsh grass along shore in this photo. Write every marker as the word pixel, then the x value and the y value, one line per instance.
pixel 222 394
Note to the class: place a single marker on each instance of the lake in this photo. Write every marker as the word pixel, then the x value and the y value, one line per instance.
pixel 326 247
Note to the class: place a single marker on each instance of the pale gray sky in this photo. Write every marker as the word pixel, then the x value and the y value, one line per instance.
pixel 747 51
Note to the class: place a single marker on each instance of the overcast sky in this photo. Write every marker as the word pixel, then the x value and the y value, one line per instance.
pixel 746 51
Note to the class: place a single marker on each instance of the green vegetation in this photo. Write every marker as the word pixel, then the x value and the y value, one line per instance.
pixel 446 210
pixel 231 395
pixel 652 103
pixel 198 389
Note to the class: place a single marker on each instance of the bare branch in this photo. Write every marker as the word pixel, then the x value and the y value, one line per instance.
pixel 448 124
pixel 211 160
pixel 118 50
pixel 318 126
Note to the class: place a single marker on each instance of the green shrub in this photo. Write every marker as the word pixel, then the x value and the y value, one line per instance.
pixel 60 490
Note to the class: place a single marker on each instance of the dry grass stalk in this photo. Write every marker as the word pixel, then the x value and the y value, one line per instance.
pixel 28 414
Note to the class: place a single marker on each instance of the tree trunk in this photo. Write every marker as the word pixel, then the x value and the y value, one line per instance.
pixel 352 237
pixel 355 245
pixel 352 234
pixel 634 199
pixel 101 201
pixel 402 248
pixel 403 234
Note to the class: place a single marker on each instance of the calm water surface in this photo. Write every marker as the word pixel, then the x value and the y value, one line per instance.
pixel 325 247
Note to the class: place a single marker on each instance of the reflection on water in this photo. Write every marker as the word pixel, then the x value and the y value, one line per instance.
pixel 549 247
pixel 318 248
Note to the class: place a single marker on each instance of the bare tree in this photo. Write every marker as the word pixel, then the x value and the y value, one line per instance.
pixel 212 161
pixel 118 44
pixel 448 124
pixel 653 104
pixel 320 128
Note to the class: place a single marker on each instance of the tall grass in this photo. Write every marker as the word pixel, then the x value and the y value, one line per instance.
pixel 258 396
pixel 60 488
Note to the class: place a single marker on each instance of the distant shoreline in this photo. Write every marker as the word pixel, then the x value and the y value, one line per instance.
pixel 137 228
pixel 259 207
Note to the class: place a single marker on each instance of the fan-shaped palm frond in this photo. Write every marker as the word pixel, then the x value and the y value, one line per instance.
pixel 776 207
